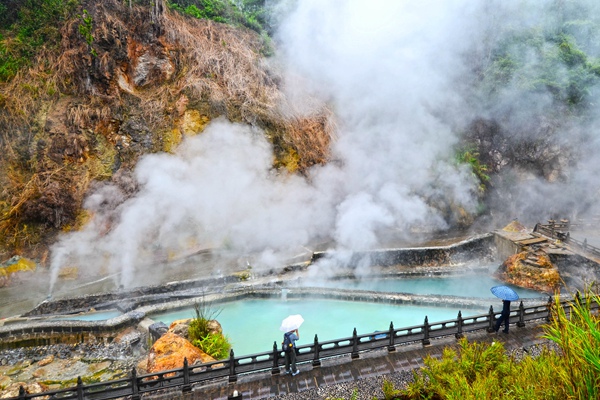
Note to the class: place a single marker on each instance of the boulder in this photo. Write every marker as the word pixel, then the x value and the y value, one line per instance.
pixel 157 329
pixel 5 381
pixel 215 327
pixel 170 350
pixel 31 388
pixel 181 328
pixel 532 270
pixel 46 361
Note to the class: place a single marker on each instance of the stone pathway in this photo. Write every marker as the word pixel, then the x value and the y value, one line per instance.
pixel 345 370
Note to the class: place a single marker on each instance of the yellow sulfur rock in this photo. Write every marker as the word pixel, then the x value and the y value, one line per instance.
pixel 169 351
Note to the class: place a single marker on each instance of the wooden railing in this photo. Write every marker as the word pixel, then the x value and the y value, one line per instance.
pixel 183 378
pixel 560 231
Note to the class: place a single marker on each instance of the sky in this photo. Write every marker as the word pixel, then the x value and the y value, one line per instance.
pixel 394 74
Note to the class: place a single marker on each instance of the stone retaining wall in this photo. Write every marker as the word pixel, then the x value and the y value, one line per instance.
pixel 39 328
pixel 122 300
pixel 479 247
pixel 37 332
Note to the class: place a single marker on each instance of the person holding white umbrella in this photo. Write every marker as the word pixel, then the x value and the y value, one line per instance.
pixel 290 326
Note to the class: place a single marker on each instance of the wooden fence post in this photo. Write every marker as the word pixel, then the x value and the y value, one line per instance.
pixel 135 391
pixel 459 324
pixel 426 341
pixel 232 375
pixel 391 346
pixel 492 321
pixel 354 354
pixel 22 393
pixel 186 377
pixel 79 388
pixel 275 368
pixel 521 322
pixel 316 361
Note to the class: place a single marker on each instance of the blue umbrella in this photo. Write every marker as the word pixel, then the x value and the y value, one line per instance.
pixel 505 293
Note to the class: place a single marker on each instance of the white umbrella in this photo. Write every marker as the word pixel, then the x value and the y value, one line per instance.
pixel 291 323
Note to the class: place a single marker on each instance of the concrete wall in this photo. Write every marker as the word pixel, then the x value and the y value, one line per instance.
pixel 505 247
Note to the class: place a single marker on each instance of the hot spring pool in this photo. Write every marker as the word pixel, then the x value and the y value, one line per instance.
pixel 471 285
pixel 253 325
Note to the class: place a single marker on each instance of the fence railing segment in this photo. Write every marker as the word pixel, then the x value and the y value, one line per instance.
pixel 184 378
pixel 560 231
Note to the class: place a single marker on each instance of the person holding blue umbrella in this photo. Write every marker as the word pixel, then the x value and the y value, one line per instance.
pixel 507 295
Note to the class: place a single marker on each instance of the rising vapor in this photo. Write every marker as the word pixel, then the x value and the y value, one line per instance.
pixel 394 73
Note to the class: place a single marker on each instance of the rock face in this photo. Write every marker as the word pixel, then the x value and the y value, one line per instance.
pixel 532 270
pixel 17 265
pixel 58 366
pixel 149 78
pixel 170 350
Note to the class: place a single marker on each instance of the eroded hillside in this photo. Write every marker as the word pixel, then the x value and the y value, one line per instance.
pixel 124 82
pixel 439 126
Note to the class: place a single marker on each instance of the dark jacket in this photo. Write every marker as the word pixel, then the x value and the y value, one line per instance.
pixel 505 307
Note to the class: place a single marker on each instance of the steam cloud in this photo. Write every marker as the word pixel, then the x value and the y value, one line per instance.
pixel 393 72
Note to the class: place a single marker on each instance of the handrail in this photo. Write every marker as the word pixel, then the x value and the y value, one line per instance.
pixel 560 232
pixel 183 378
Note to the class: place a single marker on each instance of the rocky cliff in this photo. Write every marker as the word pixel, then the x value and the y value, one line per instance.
pixel 125 81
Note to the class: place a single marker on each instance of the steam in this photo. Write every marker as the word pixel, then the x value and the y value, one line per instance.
pixel 394 73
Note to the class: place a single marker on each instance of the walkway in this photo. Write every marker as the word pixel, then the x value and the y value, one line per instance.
pixel 344 369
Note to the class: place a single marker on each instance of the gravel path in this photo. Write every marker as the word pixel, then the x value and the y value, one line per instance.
pixel 366 389
pixel 371 388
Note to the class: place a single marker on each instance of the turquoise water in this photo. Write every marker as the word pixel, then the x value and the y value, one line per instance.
pixel 253 325
pixel 473 285
pixel 93 316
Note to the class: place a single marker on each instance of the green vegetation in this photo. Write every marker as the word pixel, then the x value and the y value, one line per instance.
pixel 213 343
pixel 479 170
pixel 389 391
pixel 85 29
pixel 353 397
pixel 249 13
pixel 555 55
pixel 578 336
pixel 482 371
pixel 27 27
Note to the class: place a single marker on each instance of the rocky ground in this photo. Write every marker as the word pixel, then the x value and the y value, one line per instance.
pixel 56 366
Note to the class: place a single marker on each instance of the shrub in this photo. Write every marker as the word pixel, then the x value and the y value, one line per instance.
pixel 35 24
pixel 577 333
pixel 214 344
pixel 248 13
pixel 204 314
pixel 389 391
pixel 482 371
pixel 353 397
